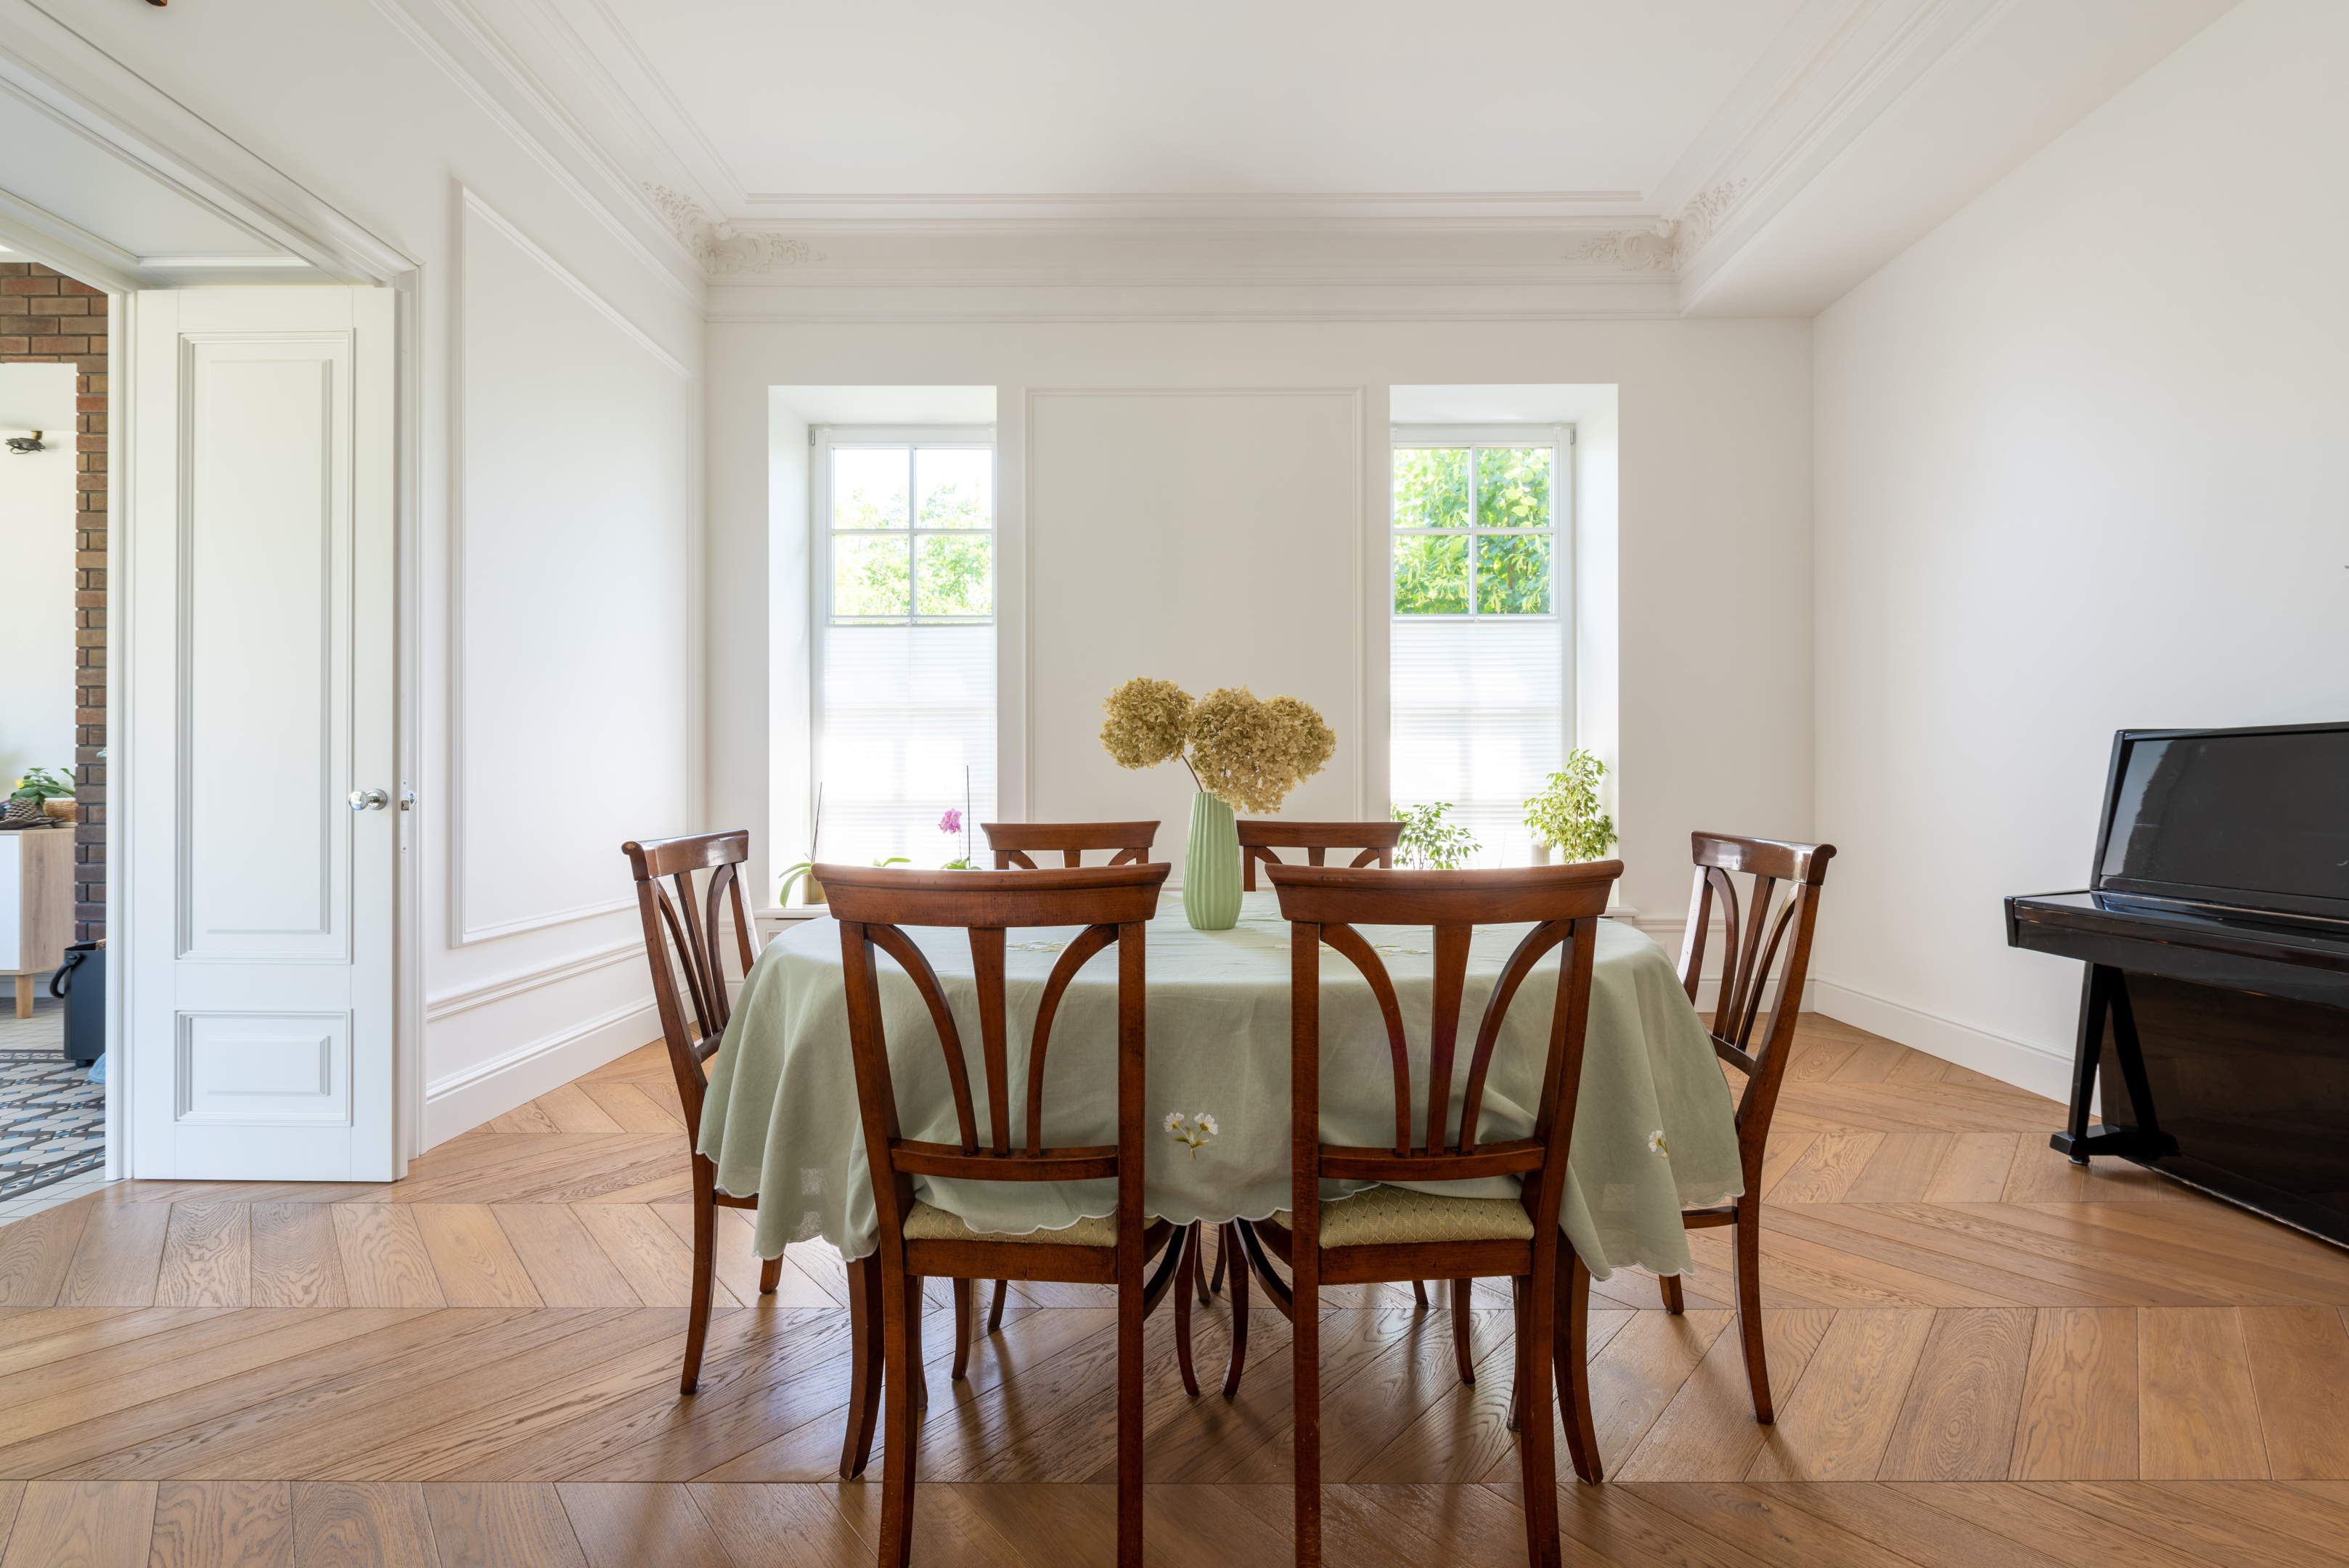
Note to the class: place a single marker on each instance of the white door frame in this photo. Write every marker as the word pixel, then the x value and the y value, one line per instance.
pixel 386 269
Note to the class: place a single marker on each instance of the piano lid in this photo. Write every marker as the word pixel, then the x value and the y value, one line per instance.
pixel 2246 819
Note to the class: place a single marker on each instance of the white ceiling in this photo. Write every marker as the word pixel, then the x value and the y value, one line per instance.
pixel 1062 98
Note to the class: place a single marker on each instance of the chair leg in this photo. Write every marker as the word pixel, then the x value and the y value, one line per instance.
pixel 1187 1278
pixel 1570 1363
pixel 1537 1448
pixel 1462 1290
pixel 962 1294
pixel 1305 1355
pixel 1519 1344
pixel 1746 1234
pixel 1671 1286
pixel 704 1265
pixel 1419 1292
pixel 902 1335
pixel 771 1274
pixel 1199 1259
pixel 1223 1256
pixel 865 1375
pixel 1129 1310
pixel 1230 1247
pixel 995 1313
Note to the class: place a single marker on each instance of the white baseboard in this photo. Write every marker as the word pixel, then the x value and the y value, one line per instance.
pixel 2027 1067
pixel 462 1101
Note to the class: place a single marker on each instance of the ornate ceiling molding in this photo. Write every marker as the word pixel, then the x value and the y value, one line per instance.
pixel 723 250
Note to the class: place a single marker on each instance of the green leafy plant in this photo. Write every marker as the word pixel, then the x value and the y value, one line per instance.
pixel 1429 842
pixel 880 865
pixel 40 783
pixel 1564 813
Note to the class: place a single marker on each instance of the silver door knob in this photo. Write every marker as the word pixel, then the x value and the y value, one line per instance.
pixel 368 800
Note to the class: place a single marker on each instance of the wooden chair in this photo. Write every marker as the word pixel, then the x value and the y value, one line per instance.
pixel 1260 838
pixel 1393 1233
pixel 1751 955
pixel 1013 841
pixel 918 1241
pixel 693 928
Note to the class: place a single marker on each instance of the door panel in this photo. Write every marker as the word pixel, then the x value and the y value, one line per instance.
pixel 259 903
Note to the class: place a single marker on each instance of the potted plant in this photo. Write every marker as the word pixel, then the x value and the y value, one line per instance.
pixel 1243 753
pixel 1429 842
pixel 54 792
pixel 1564 814
pixel 811 890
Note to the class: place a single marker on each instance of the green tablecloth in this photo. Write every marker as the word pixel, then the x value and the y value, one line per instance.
pixel 1654 1131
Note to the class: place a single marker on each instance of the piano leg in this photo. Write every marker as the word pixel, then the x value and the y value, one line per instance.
pixel 2105 992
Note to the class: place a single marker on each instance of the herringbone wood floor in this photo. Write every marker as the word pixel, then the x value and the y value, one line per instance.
pixel 1983 1358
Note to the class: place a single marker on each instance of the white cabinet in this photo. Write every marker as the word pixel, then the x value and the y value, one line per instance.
pixel 36 894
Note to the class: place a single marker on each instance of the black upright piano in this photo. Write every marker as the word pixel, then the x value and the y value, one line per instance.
pixel 2214 1015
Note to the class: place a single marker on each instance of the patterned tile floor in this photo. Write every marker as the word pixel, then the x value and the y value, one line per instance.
pixel 52 1118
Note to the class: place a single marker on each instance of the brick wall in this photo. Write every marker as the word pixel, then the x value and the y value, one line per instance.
pixel 47 317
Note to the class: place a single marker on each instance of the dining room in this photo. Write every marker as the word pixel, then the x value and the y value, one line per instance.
pixel 1551 784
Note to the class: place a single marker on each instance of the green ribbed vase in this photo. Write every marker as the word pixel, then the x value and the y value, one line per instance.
pixel 1211 867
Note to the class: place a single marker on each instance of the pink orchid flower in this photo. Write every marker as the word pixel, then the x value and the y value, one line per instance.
pixel 950 822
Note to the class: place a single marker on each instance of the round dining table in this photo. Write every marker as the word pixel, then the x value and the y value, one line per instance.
pixel 1654 1128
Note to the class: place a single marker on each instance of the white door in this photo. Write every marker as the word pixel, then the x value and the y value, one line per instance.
pixel 257 886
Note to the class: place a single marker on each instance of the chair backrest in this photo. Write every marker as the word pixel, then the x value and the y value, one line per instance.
pixel 1013 841
pixel 692 927
pixel 1563 903
pixel 874 906
pixel 1260 838
pixel 1753 944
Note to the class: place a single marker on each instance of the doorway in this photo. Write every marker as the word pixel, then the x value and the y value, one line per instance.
pixel 54 479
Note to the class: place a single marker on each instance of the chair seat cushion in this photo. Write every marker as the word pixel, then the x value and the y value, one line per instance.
pixel 1388 1216
pixel 928 1224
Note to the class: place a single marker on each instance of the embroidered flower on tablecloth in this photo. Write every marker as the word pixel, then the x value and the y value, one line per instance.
pixel 1658 1146
pixel 1193 1132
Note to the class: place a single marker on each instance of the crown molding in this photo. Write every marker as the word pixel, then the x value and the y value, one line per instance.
pixel 655 247
pixel 80 84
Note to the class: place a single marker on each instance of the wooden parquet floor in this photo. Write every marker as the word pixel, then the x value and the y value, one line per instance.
pixel 1983 1358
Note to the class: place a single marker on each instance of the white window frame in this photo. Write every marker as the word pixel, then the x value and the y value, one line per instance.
pixel 824 438
pixel 821 440
pixel 1563 585
pixel 1560 440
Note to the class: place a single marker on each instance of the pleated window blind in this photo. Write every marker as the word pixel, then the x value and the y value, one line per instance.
pixel 1478 695
pixel 904 665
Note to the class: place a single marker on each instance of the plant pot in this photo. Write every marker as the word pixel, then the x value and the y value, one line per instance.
pixel 61 807
pixel 1541 855
pixel 1211 867
pixel 811 890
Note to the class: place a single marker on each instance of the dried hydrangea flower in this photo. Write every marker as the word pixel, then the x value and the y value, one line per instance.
pixel 1147 721
pixel 1251 754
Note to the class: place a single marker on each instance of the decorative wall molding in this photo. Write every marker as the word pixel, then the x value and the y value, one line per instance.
pixel 465 931
pixel 448 1004
pixel 1648 250
pixel 722 249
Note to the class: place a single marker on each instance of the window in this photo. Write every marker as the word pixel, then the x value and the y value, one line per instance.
pixel 1482 543
pixel 905 656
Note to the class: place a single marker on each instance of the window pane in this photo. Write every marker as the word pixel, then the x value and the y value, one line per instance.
pixel 905 711
pixel 1513 487
pixel 955 487
pixel 1513 573
pixel 868 576
pixel 868 487
pixel 953 575
pixel 1431 487
pixel 1431 574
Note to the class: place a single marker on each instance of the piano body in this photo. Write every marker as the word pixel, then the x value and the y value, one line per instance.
pixel 2214 1013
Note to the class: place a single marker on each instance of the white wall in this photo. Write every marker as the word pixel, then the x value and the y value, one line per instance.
pixel 2080 468
pixel 553 385
pixel 37 522
pixel 1713 696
